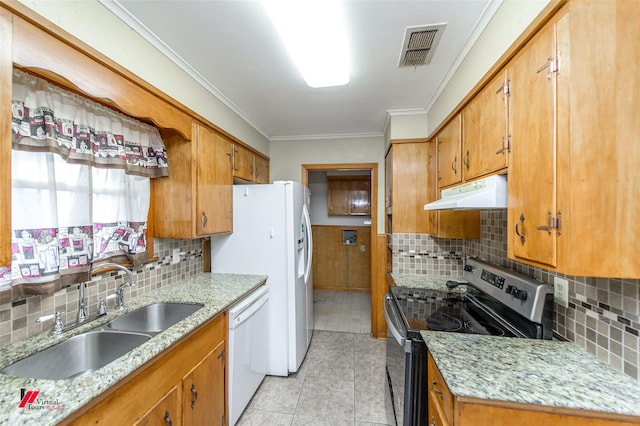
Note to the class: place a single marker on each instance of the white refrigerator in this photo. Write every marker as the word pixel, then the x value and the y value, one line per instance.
pixel 272 236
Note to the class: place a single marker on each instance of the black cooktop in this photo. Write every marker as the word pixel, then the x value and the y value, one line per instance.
pixel 452 311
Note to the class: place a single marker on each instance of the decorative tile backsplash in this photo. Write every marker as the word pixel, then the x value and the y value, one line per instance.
pixel 423 254
pixel 603 314
pixel 18 319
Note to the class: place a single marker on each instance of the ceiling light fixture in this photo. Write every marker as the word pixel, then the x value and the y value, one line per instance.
pixel 314 33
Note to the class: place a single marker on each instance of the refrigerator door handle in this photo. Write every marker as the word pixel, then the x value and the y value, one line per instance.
pixel 307 220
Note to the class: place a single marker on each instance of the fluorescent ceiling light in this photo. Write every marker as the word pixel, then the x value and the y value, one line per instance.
pixel 314 33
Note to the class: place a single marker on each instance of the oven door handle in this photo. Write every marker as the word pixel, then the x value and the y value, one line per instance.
pixel 391 325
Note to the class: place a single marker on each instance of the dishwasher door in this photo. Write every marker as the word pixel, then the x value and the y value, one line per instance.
pixel 247 350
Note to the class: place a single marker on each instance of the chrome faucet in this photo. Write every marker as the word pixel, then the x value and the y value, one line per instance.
pixel 120 290
pixel 82 309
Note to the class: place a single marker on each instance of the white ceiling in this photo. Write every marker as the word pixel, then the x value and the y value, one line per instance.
pixel 232 48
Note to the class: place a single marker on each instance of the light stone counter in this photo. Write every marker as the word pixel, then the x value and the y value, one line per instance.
pixel 530 371
pixel 427 281
pixel 60 398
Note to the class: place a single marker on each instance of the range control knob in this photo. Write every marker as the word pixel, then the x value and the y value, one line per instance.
pixel 517 293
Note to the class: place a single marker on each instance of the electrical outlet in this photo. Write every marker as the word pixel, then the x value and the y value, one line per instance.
pixel 176 256
pixel 561 291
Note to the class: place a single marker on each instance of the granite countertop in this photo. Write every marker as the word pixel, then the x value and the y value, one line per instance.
pixel 435 282
pixel 531 371
pixel 216 291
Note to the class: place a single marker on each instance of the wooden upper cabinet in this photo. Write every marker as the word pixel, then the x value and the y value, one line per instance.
pixel 261 169
pixel 406 163
pixel 196 199
pixel 447 223
pixel 449 154
pixel 243 167
pixel 574 160
pixel 5 138
pixel 485 138
pixel 532 184
pixel 360 196
pixel 349 195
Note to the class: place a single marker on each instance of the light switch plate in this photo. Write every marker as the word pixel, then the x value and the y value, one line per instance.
pixel 561 291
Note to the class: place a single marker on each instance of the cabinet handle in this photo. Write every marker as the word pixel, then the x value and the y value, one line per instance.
pixel 521 222
pixel 194 395
pixel 251 169
pixel 167 419
pixel 453 165
pixel 433 421
pixel 465 160
pixel 204 219
pixel 436 390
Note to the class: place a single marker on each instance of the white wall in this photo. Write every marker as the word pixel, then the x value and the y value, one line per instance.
pixel 287 158
pixel 410 125
pixel 95 25
pixel 511 19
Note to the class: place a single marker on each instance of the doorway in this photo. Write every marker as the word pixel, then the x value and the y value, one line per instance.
pixel 348 257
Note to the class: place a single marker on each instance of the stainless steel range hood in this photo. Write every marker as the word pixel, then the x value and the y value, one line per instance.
pixel 486 193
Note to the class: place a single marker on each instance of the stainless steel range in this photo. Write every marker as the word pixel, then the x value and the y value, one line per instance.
pixel 496 302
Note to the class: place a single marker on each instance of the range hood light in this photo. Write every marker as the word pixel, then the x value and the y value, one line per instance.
pixel 486 193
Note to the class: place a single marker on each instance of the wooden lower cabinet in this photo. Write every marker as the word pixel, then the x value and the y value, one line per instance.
pixel 201 382
pixel 165 412
pixel 445 408
pixel 162 388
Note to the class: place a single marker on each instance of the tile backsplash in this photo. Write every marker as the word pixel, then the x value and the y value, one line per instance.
pixel 18 319
pixel 603 314
pixel 423 254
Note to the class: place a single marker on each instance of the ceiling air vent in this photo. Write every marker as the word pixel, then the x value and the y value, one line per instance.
pixel 420 44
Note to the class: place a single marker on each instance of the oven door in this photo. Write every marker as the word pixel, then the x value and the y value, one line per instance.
pixel 398 353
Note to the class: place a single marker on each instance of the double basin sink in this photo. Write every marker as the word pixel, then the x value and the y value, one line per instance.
pixel 99 346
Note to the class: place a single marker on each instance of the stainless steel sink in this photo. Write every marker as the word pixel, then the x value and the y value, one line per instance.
pixel 78 355
pixel 153 318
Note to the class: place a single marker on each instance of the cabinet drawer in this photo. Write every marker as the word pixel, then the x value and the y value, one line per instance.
pixel 439 391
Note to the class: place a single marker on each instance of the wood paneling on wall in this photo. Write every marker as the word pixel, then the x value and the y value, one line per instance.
pixel 337 266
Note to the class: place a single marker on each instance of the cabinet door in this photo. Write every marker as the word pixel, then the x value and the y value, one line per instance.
pixel 484 130
pixel 532 179
pixel 203 401
pixel 214 184
pixel 409 187
pixel 388 182
pixel 262 169
pixel 432 185
pixel 5 137
pixel 338 196
pixel 359 196
pixel 449 160
pixel 164 413
pixel 243 167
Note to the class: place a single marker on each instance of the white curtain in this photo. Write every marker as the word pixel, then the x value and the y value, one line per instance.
pixel 75 203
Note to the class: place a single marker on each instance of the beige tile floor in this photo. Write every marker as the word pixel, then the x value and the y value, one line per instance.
pixel 342 379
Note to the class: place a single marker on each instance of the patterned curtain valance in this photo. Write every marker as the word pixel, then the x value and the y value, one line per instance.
pixel 46 118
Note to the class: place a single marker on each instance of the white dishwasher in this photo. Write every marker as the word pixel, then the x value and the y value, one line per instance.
pixel 247 350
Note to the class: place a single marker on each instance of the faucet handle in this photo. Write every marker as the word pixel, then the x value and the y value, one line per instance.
pixel 102 307
pixel 58 325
